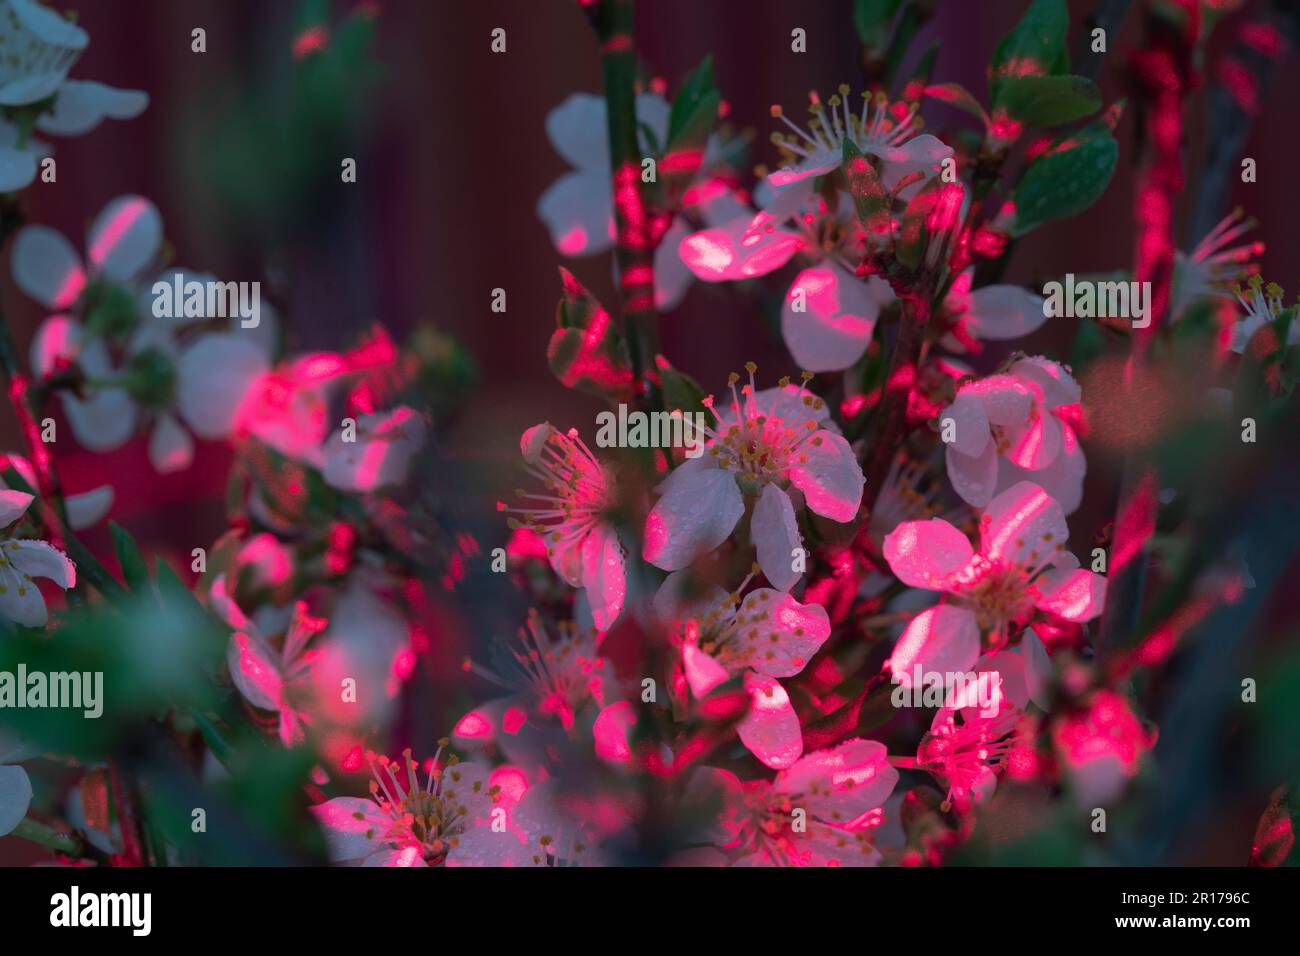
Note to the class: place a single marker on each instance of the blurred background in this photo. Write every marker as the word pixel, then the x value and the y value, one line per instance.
pixel 452 156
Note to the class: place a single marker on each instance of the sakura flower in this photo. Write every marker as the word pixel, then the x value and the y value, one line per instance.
pixel 1262 305
pixel 1211 268
pixel 547 678
pixel 820 811
pixel 15 785
pixel 583 546
pixel 85 509
pixel 772 448
pixel 22 560
pixel 766 636
pixel 1020 571
pixel 271 678
pixel 1101 747
pixel 1016 426
pixel 41 46
pixel 378 454
pixel 578 208
pixel 887 132
pixel 444 818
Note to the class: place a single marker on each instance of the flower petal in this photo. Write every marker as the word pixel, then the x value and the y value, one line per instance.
pixel 104 421
pixel 942 639
pixel 831 478
pixel 1035 443
pixel 215 375
pixel 1006 399
pixel 1049 379
pixel 1074 594
pixel 353 827
pixel 974 479
pixel 88 508
pixel 1062 479
pixel 672 278
pixel 777 635
pixel 840 784
pixel 47 267
pixel 925 554
pixel 771 728
pixel 82 104
pixel 15 797
pixel 17 169
pixel 576 129
pixel 703 672
pixel 970 424
pixel 170 446
pixel 124 238
pixel 41 560
pixel 579 213
pixel 776 537
pixel 695 515
pixel 255 669
pixel 1000 312
pixel 13 505
pixel 22 603
pixel 738 250
pixel 836 314
pixel 604 574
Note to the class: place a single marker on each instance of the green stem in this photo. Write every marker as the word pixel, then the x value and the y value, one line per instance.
pixel 614 21
pixel 35 832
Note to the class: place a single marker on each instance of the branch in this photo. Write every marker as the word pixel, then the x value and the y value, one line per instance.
pixel 635 233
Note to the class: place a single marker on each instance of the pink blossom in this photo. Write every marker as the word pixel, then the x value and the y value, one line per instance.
pixel 774 448
pixel 1021 570
pixel 1016 426
pixel 583 546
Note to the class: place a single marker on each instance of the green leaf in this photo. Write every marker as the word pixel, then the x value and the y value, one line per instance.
pixel 870 198
pixel 1042 101
pixel 587 351
pixel 694 112
pixel 680 391
pixel 129 559
pixel 1034 47
pixel 1066 179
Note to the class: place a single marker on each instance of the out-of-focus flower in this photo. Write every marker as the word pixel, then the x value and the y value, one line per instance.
pixel 1017 426
pixel 275 679
pixel 548 677
pixel 578 208
pixel 773 447
pixel 994 313
pixel 1101 747
pixel 572 515
pixel 40 47
pixel 85 509
pixel 1211 268
pixel 378 454
pixel 158 377
pixel 22 560
pixel 766 636
pixel 448 817
pixel 1021 569
pixel 820 811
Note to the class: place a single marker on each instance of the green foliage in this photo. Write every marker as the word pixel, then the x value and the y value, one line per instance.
pixel 1034 47
pixel 1067 178
pixel 694 112
pixel 1042 101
